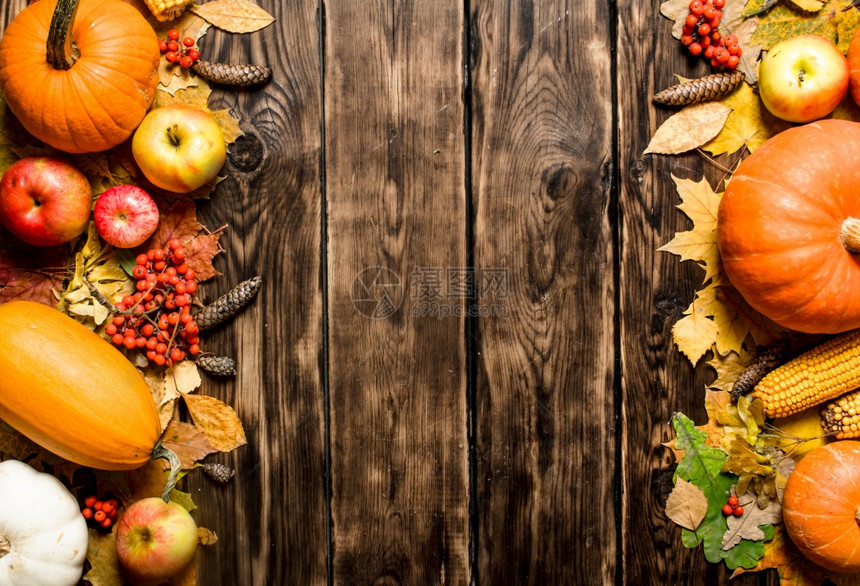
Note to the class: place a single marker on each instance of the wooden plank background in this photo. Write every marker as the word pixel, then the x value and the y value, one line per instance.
pixel 410 166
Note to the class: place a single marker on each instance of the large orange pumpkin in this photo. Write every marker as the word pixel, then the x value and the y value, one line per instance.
pixel 821 506
pixel 788 227
pixel 71 392
pixel 80 76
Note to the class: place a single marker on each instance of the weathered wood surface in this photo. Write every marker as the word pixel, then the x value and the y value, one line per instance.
pixel 452 158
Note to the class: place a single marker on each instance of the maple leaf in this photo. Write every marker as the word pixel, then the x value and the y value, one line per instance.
pixel 180 221
pixel 695 333
pixel 217 420
pixel 749 124
pixel 686 505
pixel 235 16
pixel 728 367
pixel 187 442
pixel 145 481
pixel 786 20
pixel 699 203
pixel 689 129
pixel 29 272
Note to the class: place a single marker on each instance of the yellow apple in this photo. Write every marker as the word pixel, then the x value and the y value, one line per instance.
pixel 803 78
pixel 179 148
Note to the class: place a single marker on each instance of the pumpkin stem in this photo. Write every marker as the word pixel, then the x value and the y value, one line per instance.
pixel 850 235
pixel 5 546
pixel 62 52
pixel 159 451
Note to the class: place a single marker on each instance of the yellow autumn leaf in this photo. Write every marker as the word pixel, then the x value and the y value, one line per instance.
pixel 695 333
pixel 700 203
pixel 235 16
pixel 833 21
pixel 809 5
pixel 689 129
pixel 749 125
pixel 217 420
pixel 105 569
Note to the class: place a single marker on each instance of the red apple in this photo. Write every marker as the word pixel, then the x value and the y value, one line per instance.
pixel 803 78
pixel 125 216
pixel 155 539
pixel 179 148
pixel 45 201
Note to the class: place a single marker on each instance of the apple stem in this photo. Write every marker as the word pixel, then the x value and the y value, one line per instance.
pixel 62 51
pixel 849 235
pixel 5 546
pixel 171 134
pixel 160 451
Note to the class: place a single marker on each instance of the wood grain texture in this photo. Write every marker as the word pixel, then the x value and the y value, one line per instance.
pixel 542 150
pixel 657 380
pixel 272 518
pixel 396 204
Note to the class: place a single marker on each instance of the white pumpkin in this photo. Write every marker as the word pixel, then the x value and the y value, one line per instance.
pixel 43 536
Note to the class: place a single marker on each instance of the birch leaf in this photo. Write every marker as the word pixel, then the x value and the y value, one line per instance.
pixel 235 16
pixel 689 129
pixel 687 505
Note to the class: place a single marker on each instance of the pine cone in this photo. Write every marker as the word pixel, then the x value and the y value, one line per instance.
pixel 763 363
pixel 238 75
pixel 217 365
pixel 220 472
pixel 228 305
pixel 703 89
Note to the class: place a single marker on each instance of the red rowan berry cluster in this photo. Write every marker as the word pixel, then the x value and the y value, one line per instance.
pixel 184 53
pixel 733 507
pixel 157 318
pixel 701 35
pixel 101 513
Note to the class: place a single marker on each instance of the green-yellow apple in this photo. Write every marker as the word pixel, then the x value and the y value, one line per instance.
pixel 154 539
pixel 803 78
pixel 179 148
pixel 45 201
pixel 125 216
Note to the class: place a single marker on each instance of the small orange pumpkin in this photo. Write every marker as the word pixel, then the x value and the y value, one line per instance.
pixel 788 227
pixel 821 506
pixel 79 74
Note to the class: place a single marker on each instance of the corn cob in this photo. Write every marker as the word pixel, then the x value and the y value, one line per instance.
pixel 818 375
pixel 165 10
pixel 841 418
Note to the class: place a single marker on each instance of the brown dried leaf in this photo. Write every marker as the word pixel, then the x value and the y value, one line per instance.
pixel 229 125
pixel 689 129
pixel 178 221
pixel 676 11
pixel 30 273
pixel 105 568
pixel 747 525
pixel 146 481
pixel 14 446
pixel 686 505
pixel 200 253
pixel 217 420
pixel 206 536
pixel 235 16
pixel 187 442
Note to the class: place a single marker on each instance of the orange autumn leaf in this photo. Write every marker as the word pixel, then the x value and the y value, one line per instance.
pixel 217 420
pixel 180 221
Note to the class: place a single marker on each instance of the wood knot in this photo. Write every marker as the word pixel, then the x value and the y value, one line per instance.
pixel 246 153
